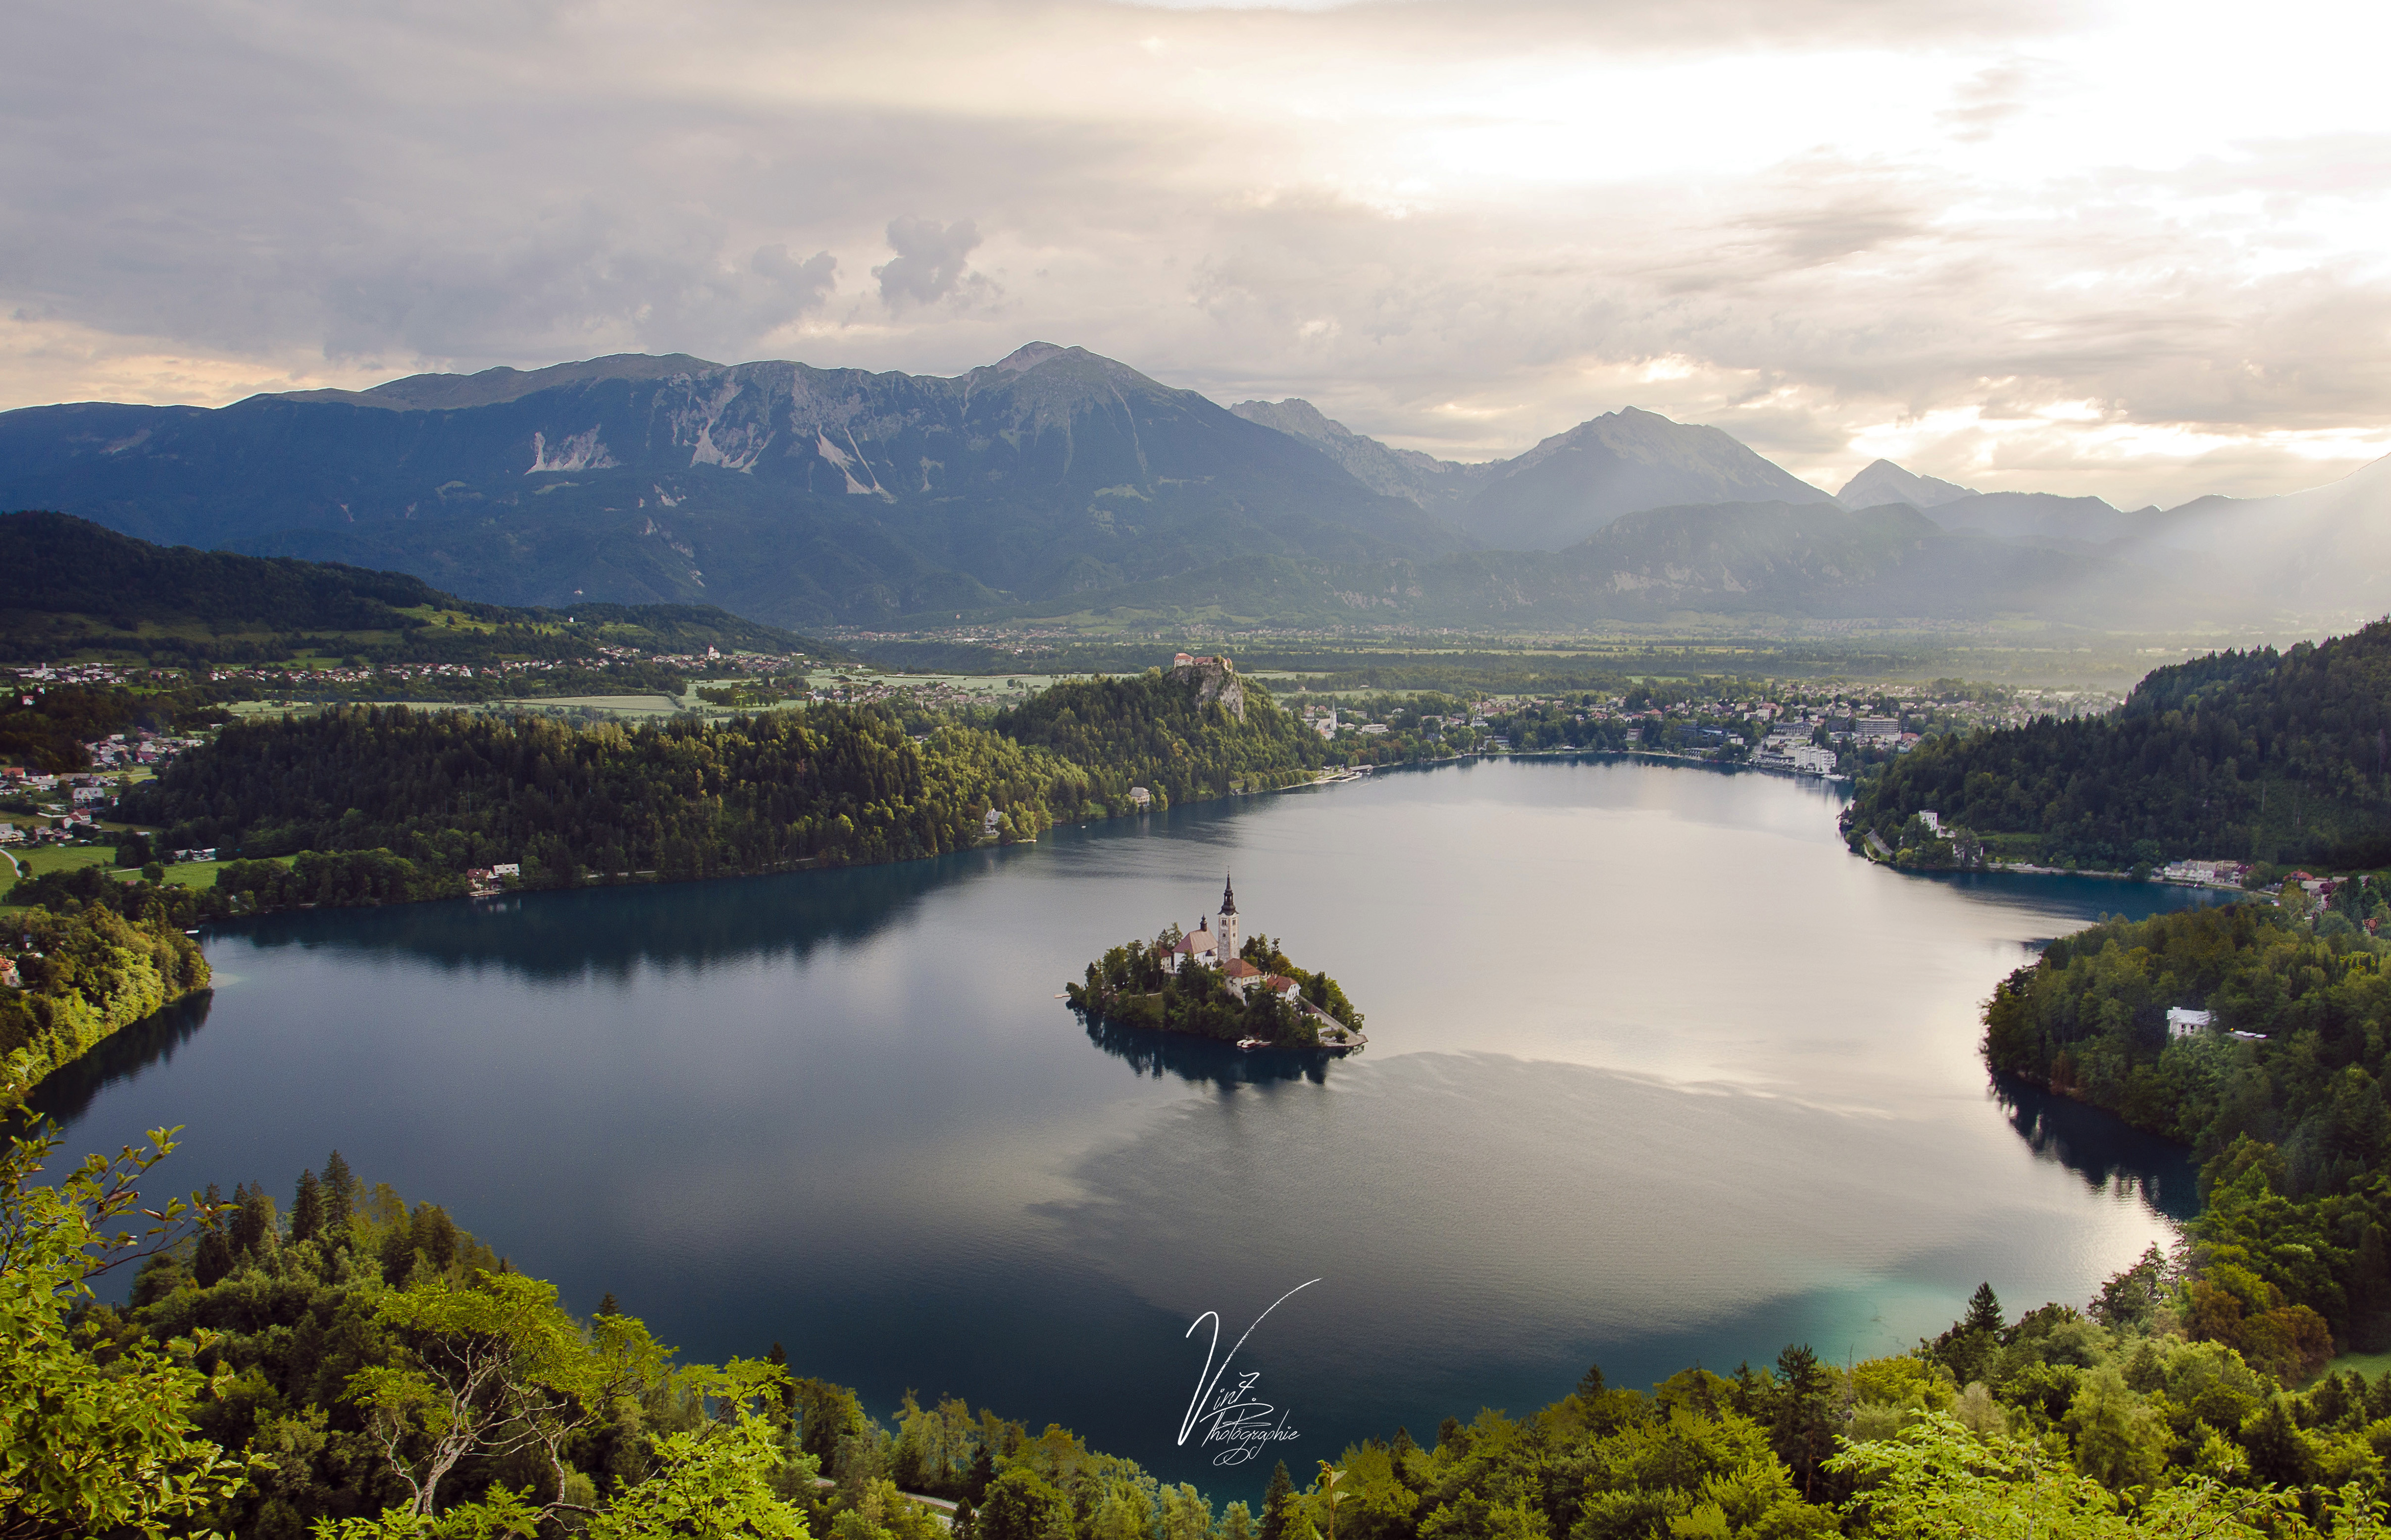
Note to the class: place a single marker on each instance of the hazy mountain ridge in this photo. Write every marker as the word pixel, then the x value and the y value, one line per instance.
pixel 792 493
pixel 1059 481
pixel 1565 488
pixel 1768 561
pixel 1436 485
pixel 1883 482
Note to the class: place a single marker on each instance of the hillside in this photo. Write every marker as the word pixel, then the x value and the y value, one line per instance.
pixel 68 585
pixel 2256 756
pixel 1196 731
pixel 1440 485
pixel 1058 483
pixel 783 492
pixel 1573 483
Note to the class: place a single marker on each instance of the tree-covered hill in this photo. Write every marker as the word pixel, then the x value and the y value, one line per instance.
pixel 688 798
pixel 2257 755
pixel 68 585
pixel 357 1367
pixel 683 799
pixel 1194 732
pixel 2289 1117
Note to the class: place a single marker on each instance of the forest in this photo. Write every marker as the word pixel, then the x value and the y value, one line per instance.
pixel 1135 985
pixel 84 969
pixel 352 1366
pixel 450 791
pixel 2255 756
pixel 2290 1118
pixel 822 783
pixel 1169 733
pixel 68 585
pixel 46 731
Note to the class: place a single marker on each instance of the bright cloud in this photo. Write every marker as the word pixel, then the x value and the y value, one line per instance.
pixel 2131 248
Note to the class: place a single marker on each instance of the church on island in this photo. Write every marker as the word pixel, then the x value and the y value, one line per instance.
pixel 1195 982
pixel 1214 945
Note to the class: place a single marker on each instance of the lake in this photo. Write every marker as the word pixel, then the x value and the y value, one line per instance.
pixel 1658 1074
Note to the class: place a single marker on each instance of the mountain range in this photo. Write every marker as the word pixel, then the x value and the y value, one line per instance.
pixel 1056 483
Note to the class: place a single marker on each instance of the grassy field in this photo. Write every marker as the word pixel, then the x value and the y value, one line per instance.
pixel 2369 1364
pixel 60 858
pixel 35 864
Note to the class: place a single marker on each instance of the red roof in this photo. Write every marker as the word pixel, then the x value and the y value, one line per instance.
pixel 1242 969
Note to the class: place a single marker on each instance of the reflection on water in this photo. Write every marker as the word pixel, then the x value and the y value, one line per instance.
pixel 67 1094
pixel 607 932
pixel 1203 1061
pixel 2111 1156
pixel 1657 1072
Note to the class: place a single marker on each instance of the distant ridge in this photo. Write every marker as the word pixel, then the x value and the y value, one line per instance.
pixel 1573 483
pixel 1057 484
pixel 1421 479
pixel 1884 482
pixel 492 387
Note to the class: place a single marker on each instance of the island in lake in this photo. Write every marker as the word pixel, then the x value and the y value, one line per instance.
pixel 1204 983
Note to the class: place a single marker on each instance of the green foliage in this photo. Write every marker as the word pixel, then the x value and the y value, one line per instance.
pixel 2293 1125
pixel 2257 755
pixel 1937 1479
pixel 68 584
pixel 1136 985
pixel 1175 734
pixel 45 728
pixel 86 971
pixel 347 879
pixel 87 1449
pixel 686 799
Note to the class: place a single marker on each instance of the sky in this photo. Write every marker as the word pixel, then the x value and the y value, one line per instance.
pixel 2135 249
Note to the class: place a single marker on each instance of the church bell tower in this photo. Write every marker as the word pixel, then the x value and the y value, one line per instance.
pixel 1224 933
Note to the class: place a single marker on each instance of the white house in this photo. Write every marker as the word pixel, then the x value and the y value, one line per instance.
pixel 2182 1023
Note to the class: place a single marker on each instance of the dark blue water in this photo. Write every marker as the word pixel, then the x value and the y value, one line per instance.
pixel 1657 1073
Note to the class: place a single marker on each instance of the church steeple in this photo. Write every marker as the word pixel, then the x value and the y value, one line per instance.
pixel 1224 935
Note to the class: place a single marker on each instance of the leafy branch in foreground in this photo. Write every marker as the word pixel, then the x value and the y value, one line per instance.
pixel 86 1450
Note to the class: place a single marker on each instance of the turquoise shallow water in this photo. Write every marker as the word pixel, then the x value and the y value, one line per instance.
pixel 1657 1073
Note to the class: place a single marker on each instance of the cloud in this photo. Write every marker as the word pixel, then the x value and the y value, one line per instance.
pixel 929 261
pixel 1460 226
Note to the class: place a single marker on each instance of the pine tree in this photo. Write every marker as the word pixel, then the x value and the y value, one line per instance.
pixel 252 1224
pixel 307 1208
pixel 963 1524
pixel 1983 1310
pixel 778 1359
pixel 1275 1501
pixel 1589 1384
pixel 340 1195
pixel 212 1259
pixel 606 1306
pixel 983 1472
